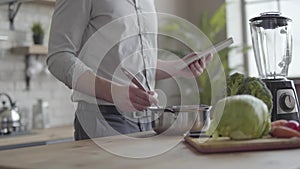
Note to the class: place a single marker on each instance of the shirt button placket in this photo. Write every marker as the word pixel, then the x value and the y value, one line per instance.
pixel 139 17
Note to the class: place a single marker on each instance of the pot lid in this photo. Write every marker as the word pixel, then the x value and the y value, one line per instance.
pixel 270 20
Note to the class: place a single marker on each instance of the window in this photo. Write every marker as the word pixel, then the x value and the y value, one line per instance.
pixel 238 27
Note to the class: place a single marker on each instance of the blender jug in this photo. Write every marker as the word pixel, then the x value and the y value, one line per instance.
pixel 272 43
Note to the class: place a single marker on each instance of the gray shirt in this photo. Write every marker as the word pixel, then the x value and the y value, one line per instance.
pixel 101 36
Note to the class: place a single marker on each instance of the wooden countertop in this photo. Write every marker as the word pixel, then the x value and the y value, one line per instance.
pixel 87 154
pixel 38 136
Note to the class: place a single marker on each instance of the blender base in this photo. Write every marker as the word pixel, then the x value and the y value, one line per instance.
pixel 291 116
pixel 285 100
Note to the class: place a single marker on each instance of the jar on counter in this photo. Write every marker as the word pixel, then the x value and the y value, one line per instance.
pixel 40 114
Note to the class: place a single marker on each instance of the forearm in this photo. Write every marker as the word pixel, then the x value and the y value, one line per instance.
pixel 95 86
pixel 126 98
pixel 72 72
pixel 165 69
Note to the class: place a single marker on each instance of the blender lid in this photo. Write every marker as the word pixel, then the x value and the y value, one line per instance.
pixel 270 20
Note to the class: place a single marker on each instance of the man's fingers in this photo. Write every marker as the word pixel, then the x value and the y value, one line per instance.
pixel 193 54
pixel 144 99
pixel 141 101
pixel 153 100
pixel 139 107
pixel 209 58
pixel 195 71
pixel 198 65
pixel 202 63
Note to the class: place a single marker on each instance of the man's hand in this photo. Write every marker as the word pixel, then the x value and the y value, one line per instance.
pixel 196 68
pixel 131 99
pixel 166 69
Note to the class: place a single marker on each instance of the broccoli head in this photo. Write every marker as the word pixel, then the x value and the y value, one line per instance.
pixel 249 85
pixel 234 82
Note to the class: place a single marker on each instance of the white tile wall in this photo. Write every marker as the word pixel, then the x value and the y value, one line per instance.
pixel 45 86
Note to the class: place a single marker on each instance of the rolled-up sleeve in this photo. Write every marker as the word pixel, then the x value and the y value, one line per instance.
pixel 69 22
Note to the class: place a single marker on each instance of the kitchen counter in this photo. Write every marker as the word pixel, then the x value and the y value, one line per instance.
pixel 87 154
pixel 37 137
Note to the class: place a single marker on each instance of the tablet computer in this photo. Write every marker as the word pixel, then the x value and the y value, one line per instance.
pixel 213 49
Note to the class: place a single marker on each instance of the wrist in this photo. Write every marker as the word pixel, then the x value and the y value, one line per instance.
pixel 166 69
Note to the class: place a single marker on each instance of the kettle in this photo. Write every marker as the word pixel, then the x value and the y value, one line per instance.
pixel 9 116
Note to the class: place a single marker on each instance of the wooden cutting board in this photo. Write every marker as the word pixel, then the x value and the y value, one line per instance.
pixel 222 145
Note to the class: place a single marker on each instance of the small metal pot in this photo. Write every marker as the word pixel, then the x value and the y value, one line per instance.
pixel 180 119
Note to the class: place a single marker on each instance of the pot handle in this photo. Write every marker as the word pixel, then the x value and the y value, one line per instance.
pixel 12 104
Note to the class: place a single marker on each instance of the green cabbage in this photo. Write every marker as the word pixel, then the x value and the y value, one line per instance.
pixel 240 117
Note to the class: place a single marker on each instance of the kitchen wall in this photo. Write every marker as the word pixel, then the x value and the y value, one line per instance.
pixel 43 85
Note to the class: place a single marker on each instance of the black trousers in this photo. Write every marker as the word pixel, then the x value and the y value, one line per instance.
pixel 92 121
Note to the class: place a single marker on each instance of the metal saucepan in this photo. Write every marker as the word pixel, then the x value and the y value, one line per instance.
pixel 180 119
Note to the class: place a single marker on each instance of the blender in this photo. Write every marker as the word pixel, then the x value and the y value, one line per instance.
pixel 272 44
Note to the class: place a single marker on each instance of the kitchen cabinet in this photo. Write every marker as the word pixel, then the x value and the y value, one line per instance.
pixel 37 137
pixel 87 154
